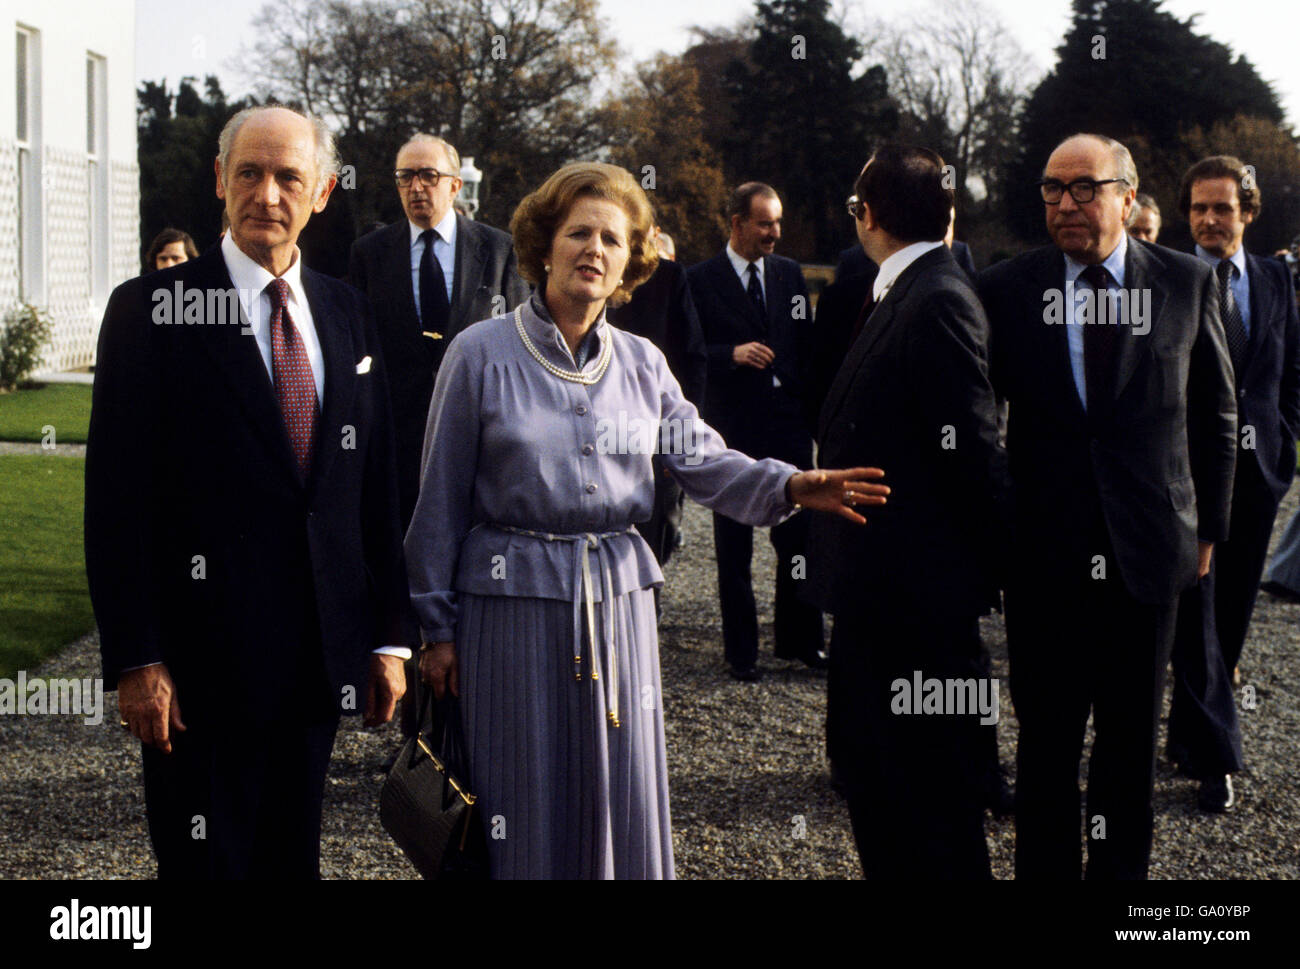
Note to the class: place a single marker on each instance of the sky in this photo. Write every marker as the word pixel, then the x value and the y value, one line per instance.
pixel 179 37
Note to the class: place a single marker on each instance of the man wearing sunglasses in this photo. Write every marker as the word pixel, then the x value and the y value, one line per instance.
pixel 428 276
pixel 1121 442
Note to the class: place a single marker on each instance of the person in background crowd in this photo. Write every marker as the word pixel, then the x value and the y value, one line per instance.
pixel 1220 198
pixel 1121 442
pixel 169 248
pixel 907 593
pixel 526 508
pixel 427 277
pixel 754 310
pixel 1144 221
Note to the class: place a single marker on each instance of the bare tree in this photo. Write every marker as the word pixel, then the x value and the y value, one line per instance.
pixel 959 80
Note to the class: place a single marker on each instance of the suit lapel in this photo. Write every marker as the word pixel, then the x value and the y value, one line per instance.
pixel 733 293
pixel 1141 272
pixel 1261 308
pixel 334 331
pixel 774 296
pixel 235 350
pixel 467 275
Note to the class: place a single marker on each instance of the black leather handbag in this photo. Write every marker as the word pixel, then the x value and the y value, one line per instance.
pixel 426 806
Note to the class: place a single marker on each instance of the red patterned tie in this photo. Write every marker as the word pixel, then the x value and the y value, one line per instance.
pixel 295 387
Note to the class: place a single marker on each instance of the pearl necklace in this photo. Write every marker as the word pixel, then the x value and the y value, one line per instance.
pixel 573 376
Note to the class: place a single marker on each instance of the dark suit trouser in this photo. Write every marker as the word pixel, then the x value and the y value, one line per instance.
pixel 1076 646
pixel 914 782
pixel 797 626
pixel 1213 620
pixel 257 786
pixel 258 794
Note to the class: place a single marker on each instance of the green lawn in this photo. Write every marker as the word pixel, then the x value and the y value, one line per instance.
pixel 24 413
pixel 44 603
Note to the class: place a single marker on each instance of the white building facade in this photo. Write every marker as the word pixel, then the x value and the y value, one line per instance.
pixel 69 176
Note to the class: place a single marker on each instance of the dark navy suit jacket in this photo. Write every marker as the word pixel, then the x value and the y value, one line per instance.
pixel 1268 387
pixel 742 402
pixel 188 457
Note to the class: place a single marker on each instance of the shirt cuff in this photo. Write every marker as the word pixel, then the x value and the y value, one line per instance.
pixel 402 652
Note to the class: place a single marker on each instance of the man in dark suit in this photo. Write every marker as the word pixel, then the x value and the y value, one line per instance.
pixel 428 276
pixel 1219 197
pixel 839 307
pixel 754 310
pixel 662 311
pixel 242 539
pixel 913 397
pixel 1121 442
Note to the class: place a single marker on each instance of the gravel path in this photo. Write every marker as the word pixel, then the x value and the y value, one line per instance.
pixel 32 447
pixel 748 772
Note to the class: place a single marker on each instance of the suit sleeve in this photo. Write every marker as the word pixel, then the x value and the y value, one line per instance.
pixel 382 529
pixel 1211 417
pixel 120 514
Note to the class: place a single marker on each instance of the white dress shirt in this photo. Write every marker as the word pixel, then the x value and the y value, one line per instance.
pixel 251 280
pixel 894 265
pixel 444 250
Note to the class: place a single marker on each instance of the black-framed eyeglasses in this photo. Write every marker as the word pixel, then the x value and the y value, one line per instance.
pixel 1082 190
pixel 854 205
pixel 428 176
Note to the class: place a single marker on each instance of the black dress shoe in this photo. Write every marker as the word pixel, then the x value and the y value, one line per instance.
pixel 746 674
pixel 1216 794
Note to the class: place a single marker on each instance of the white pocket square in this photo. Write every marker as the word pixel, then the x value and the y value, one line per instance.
pixel 364 365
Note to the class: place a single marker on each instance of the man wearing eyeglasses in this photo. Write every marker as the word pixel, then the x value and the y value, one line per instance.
pixel 428 277
pixel 1122 443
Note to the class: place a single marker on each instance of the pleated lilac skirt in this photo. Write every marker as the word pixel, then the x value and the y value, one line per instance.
pixel 564 794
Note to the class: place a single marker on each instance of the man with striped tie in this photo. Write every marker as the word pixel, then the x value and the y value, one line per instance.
pixel 242 539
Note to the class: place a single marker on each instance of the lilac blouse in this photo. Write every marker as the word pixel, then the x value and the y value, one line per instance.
pixel 512 449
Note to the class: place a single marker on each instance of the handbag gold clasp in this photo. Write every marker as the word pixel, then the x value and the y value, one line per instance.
pixel 465 796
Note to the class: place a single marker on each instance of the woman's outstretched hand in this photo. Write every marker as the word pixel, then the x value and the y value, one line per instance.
pixel 839 492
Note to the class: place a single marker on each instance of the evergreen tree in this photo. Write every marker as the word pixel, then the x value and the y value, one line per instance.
pixel 804 121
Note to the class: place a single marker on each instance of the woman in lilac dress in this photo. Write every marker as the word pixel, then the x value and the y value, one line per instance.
pixel 534 591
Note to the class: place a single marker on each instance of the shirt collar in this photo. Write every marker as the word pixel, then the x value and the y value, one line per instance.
pixel 741 265
pixel 446 230
pixel 1114 263
pixel 894 265
pixel 541 329
pixel 252 278
pixel 1238 259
